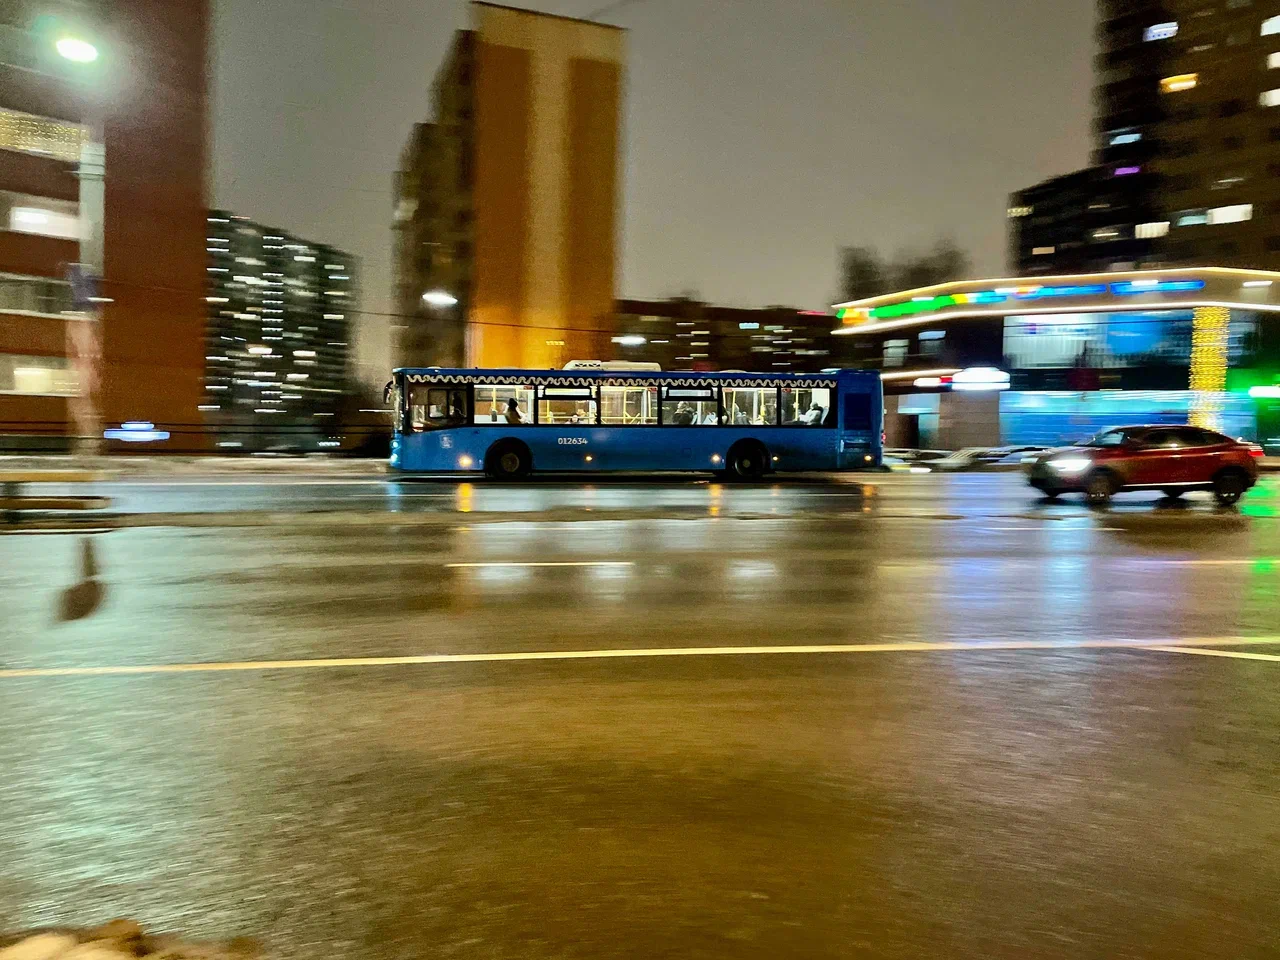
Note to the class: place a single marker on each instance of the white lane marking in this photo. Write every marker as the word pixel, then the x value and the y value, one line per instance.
pixel 1234 654
pixel 547 563
pixel 970 646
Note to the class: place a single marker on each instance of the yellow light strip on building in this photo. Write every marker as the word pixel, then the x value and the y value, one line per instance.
pixel 1209 338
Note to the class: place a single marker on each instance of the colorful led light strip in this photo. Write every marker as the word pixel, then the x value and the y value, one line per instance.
pixel 1163 286
pixel 910 308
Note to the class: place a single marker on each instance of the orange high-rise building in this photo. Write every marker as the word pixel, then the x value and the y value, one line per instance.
pixel 509 200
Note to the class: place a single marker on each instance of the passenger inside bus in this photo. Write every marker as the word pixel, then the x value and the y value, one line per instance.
pixel 814 417
pixel 513 414
pixel 456 408
pixel 684 415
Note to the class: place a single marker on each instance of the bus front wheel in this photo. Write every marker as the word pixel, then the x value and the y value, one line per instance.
pixel 746 462
pixel 508 460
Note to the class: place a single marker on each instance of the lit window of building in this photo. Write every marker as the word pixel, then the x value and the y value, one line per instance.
pixel 1020 211
pixel 1273 61
pixel 44 217
pixel 37 376
pixel 1150 231
pixel 1161 31
pixel 1235 213
pixel 1043 251
pixel 1179 82
pixel 1122 138
pixel 28 133
pixel 895 352
pixel 1192 218
pixel 1270 98
pixel 1270 25
pixel 39 295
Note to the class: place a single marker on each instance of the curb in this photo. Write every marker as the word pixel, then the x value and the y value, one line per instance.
pixel 165 466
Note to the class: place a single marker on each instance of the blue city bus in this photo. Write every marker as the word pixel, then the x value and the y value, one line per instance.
pixel 510 424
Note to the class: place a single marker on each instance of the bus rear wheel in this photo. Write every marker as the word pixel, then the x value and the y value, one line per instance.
pixel 746 462
pixel 508 460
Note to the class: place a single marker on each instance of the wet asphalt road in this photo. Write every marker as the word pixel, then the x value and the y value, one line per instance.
pixel 1008 768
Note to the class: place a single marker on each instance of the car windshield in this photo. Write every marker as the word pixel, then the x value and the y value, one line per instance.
pixel 1108 438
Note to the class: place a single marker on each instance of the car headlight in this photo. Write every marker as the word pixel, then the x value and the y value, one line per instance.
pixel 1071 464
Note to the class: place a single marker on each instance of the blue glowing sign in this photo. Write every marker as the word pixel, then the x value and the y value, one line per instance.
pixel 136 431
pixel 1130 287
pixel 1088 290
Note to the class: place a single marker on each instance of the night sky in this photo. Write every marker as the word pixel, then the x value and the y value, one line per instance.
pixel 760 134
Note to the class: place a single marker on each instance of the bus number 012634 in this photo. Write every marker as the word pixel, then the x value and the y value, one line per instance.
pixel 572 441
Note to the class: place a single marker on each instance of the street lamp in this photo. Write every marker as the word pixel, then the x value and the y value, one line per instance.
pixel 76 50
pixel 439 298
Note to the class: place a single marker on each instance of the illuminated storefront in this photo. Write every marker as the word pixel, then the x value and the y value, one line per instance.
pixel 1081 353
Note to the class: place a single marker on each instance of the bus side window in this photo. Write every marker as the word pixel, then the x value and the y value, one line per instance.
pixel 428 408
pixel 806 406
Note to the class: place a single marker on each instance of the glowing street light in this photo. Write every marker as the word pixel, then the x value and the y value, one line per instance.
pixel 76 50
pixel 439 298
pixel 632 341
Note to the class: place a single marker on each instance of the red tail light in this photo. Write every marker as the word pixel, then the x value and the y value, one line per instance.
pixel 1256 452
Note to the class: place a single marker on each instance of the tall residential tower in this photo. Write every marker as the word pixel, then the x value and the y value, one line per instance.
pixel 508 201
pixel 1187 150
pixel 278 346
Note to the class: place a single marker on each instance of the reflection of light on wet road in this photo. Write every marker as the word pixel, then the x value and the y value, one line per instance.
pixel 466 497
pixel 753 569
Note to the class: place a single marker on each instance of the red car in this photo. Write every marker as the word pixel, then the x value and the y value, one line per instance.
pixel 1174 459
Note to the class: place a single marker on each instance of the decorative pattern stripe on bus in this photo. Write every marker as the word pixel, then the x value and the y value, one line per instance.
pixel 740 382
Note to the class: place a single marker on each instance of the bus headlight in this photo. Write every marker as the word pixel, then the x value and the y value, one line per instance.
pixel 465 462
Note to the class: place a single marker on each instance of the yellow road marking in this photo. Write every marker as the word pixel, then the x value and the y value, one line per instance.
pixel 1234 654
pixel 972 646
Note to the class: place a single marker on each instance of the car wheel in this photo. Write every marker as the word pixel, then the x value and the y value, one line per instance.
pixel 1099 488
pixel 1173 493
pixel 1228 488
pixel 1051 494
pixel 746 462
pixel 508 461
